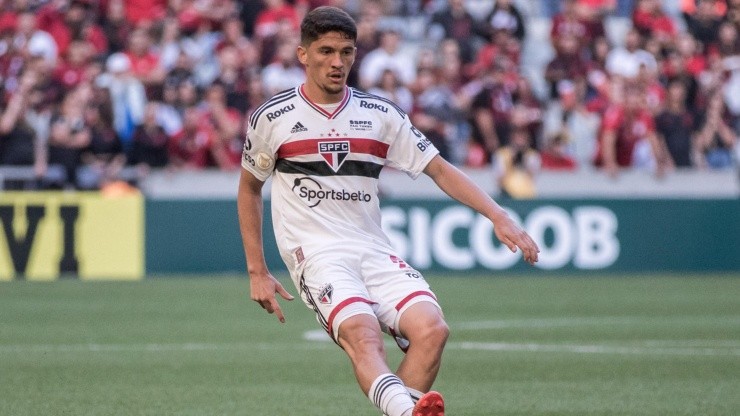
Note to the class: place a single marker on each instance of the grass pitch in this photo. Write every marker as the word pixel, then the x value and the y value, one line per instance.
pixel 619 345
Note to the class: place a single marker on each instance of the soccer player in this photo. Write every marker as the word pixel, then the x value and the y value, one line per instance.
pixel 324 145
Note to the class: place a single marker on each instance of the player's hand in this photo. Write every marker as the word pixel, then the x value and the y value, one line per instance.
pixel 509 233
pixel 263 289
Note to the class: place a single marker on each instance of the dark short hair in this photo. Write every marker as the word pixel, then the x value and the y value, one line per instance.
pixel 325 19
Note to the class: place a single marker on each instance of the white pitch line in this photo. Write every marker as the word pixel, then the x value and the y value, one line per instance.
pixel 579 321
pixel 155 347
pixel 593 349
pixel 709 343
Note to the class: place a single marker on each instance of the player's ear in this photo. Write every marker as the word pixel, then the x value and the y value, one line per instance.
pixel 354 56
pixel 302 54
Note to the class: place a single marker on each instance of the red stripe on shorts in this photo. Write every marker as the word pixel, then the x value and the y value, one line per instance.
pixel 343 304
pixel 406 300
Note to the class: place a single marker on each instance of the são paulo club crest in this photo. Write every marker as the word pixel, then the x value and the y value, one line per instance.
pixel 334 152
pixel 325 294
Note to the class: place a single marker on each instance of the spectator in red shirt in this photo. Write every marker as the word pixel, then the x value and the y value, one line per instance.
pixel 71 71
pixel 567 22
pixel 144 63
pixel 34 41
pixel 593 13
pixel 694 61
pixel 11 59
pixel 623 127
pixel 8 21
pixel 225 123
pixel 188 15
pixel 566 65
pixel 268 46
pixel 555 156
pixel 197 145
pixel 66 22
pixel 268 19
pixel 503 45
pixel 650 20
pixel 138 11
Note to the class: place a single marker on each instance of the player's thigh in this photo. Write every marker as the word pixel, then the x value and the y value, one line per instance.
pixel 396 287
pixel 334 291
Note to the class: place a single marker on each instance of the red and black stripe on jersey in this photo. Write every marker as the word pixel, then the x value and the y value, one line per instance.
pixel 287 153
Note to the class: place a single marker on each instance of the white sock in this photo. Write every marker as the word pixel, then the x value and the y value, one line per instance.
pixel 415 394
pixel 390 396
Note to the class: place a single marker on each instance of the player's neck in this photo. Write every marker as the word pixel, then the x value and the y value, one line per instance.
pixel 319 96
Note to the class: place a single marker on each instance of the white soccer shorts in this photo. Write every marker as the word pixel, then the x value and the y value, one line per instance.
pixel 345 283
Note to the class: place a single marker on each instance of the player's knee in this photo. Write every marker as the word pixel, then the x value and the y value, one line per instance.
pixel 361 340
pixel 433 335
pixel 439 332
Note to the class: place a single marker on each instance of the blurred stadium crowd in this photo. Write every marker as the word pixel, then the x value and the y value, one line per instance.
pixel 101 91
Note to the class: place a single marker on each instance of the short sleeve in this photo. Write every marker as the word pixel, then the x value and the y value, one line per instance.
pixel 257 156
pixel 410 151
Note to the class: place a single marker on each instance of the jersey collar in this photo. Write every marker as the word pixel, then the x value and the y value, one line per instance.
pixel 317 107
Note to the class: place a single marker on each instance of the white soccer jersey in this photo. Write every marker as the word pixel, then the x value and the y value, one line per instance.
pixel 326 168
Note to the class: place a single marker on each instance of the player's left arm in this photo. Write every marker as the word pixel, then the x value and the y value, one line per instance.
pixel 460 187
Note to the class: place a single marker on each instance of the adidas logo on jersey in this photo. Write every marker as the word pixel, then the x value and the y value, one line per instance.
pixel 298 128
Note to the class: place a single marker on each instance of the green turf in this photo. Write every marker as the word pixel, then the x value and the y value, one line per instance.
pixel 638 345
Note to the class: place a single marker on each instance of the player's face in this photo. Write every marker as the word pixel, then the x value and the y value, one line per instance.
pixel 328 61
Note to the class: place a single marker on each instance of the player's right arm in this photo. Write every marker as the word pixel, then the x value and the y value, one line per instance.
pixel 262 284
pixel 258 163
